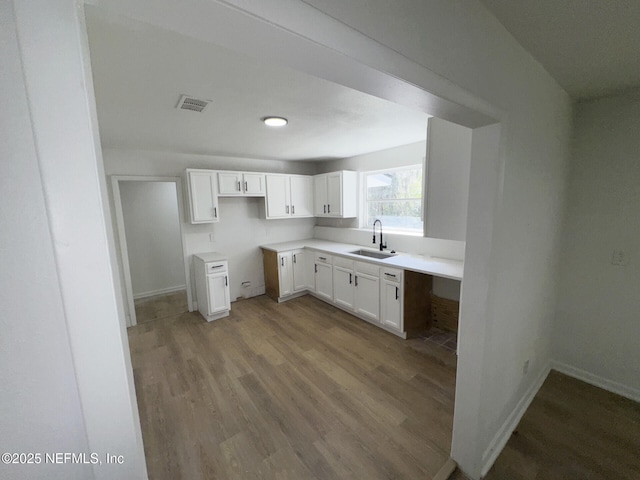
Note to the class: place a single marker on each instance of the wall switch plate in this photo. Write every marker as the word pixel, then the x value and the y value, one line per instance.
pixel 618 258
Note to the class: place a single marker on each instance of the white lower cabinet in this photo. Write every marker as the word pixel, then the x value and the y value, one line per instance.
pixel 212 286
pixel 285 273
pixel 367 290
pixel 323 271
pixel 343 283
pixel 302 270
pixel 391 298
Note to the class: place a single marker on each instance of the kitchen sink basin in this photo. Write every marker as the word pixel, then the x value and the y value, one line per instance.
pixel 373 254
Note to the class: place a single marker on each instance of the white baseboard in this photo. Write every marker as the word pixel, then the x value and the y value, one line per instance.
pixel 161 291
pixel 598 381
pixel 501 438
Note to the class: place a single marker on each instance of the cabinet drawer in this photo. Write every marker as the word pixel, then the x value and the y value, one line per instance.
pixel 215 267
pixel 343 262
pixel 391 274
pixel 323 258
pixel 368 268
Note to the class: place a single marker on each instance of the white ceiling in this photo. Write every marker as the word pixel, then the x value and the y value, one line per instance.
pixel 591 47
pixel 140 71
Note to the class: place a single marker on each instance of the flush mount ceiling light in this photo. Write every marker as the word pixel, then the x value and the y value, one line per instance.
pixel 275 121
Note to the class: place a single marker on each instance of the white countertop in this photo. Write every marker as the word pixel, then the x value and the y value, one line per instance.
pixel 211 256
pixel 440 267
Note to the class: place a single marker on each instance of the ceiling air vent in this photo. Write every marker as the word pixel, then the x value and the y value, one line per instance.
pixel 194 104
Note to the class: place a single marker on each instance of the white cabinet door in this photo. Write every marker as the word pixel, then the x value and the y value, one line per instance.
pixel 334 194
pixel 324 280
pixel 277 196
pixel 285 274
pixel 301 196
pixel 203 196
pixel 391 299
pixel 367 301
pixel 218 293
pixel 320 192
pixel 253 184
pixel 230 183
pixel 343 286
pixel 299 264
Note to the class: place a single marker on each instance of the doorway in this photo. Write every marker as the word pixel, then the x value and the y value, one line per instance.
pixel 149 225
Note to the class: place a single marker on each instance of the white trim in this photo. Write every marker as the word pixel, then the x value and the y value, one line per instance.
pixel 124 254
pixel 162 291
pixel 503 434
pixel 597 381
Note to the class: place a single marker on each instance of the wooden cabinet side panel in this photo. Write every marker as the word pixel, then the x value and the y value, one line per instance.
pixel 271 281
pixel 417 301
pixel 444 313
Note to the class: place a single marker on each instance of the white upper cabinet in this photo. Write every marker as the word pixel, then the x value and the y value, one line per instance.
pixel 254 184
pixel 289 196
pixel 336 194
pixel 203 196
pixel 278 196
pixel 301 195
pixel 241 184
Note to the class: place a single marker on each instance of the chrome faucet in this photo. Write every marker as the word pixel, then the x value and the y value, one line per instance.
pixel 382 245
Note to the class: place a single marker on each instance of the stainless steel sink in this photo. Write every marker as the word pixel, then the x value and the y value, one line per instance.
pixel 373 254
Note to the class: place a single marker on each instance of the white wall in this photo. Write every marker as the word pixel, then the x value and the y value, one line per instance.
pixel 40 408
pixel 242 227
pixel 154 244
pixel 68 305
pixel 597 322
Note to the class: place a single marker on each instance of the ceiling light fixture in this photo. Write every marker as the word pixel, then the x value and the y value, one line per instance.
pixel 275 121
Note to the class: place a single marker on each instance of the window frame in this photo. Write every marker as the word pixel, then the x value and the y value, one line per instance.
pixel 363 211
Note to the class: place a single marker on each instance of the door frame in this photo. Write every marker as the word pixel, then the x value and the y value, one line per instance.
pixel 122 239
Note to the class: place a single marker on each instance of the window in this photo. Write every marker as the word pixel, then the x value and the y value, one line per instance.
pixel 395 197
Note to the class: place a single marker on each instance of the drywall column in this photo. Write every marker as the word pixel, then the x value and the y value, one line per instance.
pixel 57 75
pixel 484 198
pixel 39 403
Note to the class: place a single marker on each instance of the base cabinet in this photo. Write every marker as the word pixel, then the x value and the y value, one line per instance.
pixel 391 299
pixel 343 287
pixel 323 271
pixel 367 290
pixel 212 287
pixel 287 273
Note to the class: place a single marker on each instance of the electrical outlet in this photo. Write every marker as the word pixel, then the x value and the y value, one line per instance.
pixel 525 367
pixel 246 284
pixel 618 258
pixel 212 237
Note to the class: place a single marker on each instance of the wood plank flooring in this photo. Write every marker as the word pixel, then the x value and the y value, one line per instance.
pixel 572 430
pixel 299 390
pixel 161 306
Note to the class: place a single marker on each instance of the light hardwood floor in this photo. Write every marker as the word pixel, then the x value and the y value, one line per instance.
pixel 161 306
pixel 298 390
pixel 572 431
